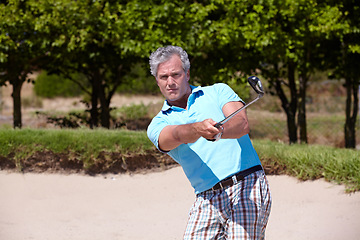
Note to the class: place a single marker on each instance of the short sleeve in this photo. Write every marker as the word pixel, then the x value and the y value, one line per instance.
pixel 225 94
pixel 154 129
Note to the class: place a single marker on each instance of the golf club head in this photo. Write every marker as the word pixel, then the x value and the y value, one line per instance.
pixel 255 83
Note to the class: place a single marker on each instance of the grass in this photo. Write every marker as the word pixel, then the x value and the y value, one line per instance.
pixel 306 162
pixel 85 141
pixel 310 162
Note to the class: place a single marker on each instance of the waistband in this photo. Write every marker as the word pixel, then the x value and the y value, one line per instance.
pixel 234 179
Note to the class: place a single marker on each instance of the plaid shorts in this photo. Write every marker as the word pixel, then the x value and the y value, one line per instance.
pixel 240 211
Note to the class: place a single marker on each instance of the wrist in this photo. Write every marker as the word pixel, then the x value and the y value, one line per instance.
pixel 222 129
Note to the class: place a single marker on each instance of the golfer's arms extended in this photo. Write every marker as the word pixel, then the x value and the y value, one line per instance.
pixel 174 135
pixel 237 126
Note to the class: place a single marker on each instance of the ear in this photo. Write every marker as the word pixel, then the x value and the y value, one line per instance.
pixel 157 82
pixel 188 75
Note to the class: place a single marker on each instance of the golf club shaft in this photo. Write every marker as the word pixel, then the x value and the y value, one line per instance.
pixel 255 83
pixel 219 124
pixel 236 112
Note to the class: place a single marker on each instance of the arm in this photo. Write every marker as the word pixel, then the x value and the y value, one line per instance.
pixel 237 126
pixel 174 135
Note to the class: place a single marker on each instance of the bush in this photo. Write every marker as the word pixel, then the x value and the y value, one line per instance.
pixel 31 102
pixel 133 117
pixel 139 81
pixel 50 86
pixel 134 111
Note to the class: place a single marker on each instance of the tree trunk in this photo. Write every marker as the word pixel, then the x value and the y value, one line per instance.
pixel 105 108
pixel 289 107
pixel 352 106
pixel 302 109
pixel 94 113
pixel 290 115
pixel 292 127
pixel 1 101
pixel 105 116
pixel 16 95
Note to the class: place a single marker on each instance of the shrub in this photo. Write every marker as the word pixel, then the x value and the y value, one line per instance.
pixel 50 86
pixel 138 81
pixel 31 102
pixel 133 111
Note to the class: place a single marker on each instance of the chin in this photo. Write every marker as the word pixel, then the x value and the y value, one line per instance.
pixel 172 97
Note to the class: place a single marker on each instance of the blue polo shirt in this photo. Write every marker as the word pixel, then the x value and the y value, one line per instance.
pixel 205 163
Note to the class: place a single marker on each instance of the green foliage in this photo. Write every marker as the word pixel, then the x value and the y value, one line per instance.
pixel 87 142
pixel 132 112
pixel 138 81
pixel 237 83
pixel 305 162
pixel 50 86
pixel 285 40
pixel 73 119
pixel 23 46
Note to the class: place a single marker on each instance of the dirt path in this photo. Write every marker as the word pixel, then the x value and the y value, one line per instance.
pixel 155 206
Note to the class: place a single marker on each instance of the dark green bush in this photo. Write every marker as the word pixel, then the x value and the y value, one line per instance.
pixel 134 111
pixel 50 86
pixel 139 81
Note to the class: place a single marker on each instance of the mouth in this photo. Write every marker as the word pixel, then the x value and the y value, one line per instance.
pixel 172 90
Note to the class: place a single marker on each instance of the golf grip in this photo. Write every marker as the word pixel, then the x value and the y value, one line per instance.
pixel 217 136
pixel 255 83
pixel 217 125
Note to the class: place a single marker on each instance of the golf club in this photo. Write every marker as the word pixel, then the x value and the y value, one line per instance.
pixel 255 83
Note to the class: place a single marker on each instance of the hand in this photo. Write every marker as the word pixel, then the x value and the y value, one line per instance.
pixel 208 130
pixel 217 137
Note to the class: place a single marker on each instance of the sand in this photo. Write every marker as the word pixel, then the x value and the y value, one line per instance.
pixel 155 206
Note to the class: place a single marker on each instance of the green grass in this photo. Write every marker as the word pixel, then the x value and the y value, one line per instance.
pixel 87 142
pixel 306 162
pixel 310 162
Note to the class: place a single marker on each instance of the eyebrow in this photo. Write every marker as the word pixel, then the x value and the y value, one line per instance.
pixel 172 73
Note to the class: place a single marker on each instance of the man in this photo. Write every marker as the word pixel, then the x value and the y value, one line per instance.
pixel 232 194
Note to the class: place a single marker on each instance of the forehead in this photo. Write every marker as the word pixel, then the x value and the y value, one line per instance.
pixel 171 65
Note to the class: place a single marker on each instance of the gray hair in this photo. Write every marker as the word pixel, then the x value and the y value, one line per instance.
pixel 163 54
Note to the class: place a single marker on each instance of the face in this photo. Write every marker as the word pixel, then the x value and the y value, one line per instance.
pixel 173 81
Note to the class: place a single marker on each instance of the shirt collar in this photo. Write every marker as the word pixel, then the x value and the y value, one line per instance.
pixel 194 90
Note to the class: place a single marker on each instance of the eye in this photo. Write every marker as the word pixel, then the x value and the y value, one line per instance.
pixel 164 77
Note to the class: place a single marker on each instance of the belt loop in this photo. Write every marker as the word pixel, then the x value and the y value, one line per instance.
pixel 235 181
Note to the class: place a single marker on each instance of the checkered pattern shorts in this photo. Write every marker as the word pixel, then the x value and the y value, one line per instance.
pixel 240 211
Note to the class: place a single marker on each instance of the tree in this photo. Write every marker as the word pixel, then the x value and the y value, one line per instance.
pixel 350 68
pixel 193 27
pixel 285 35
pixel 338 24
pixel 136 29
pixel 23 47
pixel 104 39
pixel 96 43
pixel 345 61
pixel 267 32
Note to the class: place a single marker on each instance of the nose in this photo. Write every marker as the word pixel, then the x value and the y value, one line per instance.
pixel 170 80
